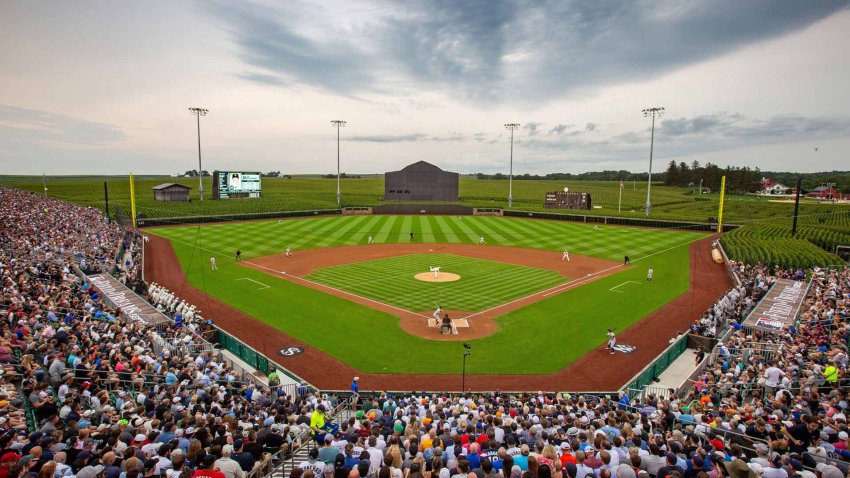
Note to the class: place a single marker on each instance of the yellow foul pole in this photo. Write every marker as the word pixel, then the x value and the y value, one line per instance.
pixel 722 197
pixel 132 201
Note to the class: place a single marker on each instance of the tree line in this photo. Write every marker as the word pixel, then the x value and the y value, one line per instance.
pixel 747 180
pixel 621 175
pixel 739 180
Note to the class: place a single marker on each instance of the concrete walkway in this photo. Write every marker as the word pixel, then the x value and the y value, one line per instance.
pixel 284 378
pixel 678 371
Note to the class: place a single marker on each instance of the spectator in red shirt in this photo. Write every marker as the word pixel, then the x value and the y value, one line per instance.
pixel 207 470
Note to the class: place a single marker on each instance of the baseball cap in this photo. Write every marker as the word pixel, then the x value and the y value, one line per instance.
pixel 91 471
pixel 829 471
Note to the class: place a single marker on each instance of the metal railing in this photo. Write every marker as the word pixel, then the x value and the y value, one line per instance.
pixel 277 463
pixel 657 366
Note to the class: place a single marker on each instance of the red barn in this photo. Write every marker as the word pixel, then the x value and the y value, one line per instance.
pixel 824 192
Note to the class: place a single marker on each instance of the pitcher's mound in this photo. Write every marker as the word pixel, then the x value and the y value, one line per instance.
pixel 443 277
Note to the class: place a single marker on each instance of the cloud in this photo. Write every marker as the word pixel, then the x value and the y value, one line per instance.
pixel 281 56
pixel 590 127
pixel 407 138
pixel 532 127
pixel 559 129
pixel 735 126
pixel 386 138
pixel 486 52
pixel 56 130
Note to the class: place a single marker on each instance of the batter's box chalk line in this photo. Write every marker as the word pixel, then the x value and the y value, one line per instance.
pixel 624 283
pixel 455 323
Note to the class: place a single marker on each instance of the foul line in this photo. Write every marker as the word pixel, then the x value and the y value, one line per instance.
pixel 264 286
pixel 624 283
pixel 289 276
pixel 546 293
pixel 341 291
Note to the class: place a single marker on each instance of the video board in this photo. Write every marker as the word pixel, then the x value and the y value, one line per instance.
pixel 235 184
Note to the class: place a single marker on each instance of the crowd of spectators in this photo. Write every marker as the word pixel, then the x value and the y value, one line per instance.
pixel 84 394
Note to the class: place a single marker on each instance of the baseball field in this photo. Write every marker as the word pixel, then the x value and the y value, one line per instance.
pixel 527 311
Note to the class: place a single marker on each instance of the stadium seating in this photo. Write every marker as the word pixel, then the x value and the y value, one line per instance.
pixel 84 393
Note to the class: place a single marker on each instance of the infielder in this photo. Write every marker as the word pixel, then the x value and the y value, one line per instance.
pixel 649 275
pixel 612 341
pixel 370 240
pixel 212 263
pixel 481 241
pixel 435 270
pixel 566 256
pixel 288 252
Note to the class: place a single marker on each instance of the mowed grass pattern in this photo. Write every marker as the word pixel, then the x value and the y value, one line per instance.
pixel 261 238
pixel 540 338
pixel 483 283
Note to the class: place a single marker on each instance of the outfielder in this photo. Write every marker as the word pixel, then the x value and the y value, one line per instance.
pixel 212 263
pixel 649 275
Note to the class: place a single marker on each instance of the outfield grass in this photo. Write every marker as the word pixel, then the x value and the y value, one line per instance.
pixel 261 238
pixel 539 339
pixel 306 192
pixel 483 283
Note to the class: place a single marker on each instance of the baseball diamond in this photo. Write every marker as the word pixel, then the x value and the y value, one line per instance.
pixel 311 299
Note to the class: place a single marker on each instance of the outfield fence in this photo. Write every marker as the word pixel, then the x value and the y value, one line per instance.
pixel 170 221
pixel 620 221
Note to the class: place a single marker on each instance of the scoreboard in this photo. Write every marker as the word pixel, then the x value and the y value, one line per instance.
pixel 233 185
pixel 567 200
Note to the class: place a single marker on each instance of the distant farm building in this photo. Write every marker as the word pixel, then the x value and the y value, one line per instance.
pixel 421 181
pixel 171 192
pixel 768 187
pixel 824 192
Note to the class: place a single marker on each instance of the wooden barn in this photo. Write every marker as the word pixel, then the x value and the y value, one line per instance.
pixel 171 192
pixel 421 181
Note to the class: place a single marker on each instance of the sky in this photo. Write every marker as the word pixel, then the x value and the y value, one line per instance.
pixel 104 87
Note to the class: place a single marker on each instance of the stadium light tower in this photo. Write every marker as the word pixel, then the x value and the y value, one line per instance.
pixel 337 124
pixel 653 112
pixel 198 112
pixel 512 127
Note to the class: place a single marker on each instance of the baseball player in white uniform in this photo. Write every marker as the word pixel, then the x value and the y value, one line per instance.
pixel 612 341
pixel 212 263
pixel 437 313
pixel 566 256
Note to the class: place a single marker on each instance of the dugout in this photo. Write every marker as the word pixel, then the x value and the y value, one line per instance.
pixel 421 181
pixel 171 192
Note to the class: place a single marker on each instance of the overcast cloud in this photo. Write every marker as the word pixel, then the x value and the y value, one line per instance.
pixel 105 86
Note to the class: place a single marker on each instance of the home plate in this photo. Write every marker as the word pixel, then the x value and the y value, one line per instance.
pixel 455 323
